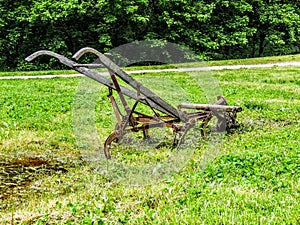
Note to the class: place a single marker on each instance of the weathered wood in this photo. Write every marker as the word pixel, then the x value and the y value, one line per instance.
pixel 210 107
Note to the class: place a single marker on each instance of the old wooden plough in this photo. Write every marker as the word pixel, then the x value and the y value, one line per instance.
pixel 164 114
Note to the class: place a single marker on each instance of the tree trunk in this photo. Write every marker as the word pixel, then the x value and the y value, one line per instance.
pixel 262 38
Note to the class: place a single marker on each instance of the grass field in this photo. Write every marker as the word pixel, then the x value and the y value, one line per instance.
pixel 255 179
pixel 248 61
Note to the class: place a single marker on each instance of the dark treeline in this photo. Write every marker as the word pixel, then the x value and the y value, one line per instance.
pixel 213 29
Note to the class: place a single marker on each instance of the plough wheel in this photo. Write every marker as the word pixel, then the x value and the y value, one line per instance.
pixel 112 137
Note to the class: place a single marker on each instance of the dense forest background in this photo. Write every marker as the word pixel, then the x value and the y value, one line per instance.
pixel 213 29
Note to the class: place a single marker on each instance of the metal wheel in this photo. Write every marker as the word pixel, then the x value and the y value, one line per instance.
pixel 112 137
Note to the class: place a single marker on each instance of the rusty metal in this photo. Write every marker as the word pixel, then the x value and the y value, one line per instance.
pixel 164 114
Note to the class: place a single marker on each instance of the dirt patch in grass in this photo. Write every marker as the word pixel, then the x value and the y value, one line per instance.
pixel 17 175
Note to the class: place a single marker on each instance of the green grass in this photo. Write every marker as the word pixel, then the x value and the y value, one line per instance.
pixel 260 60
pixel 255 179
pixel 248 61
pixel 35 73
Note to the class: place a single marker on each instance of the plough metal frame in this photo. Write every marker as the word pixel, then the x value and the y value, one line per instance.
pixel 133 121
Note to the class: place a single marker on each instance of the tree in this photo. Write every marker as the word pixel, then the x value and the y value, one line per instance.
pixel 277 26
pixel 214 29
pixel 211 28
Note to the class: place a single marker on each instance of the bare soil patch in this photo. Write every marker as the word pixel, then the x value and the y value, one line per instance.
pixel 17 175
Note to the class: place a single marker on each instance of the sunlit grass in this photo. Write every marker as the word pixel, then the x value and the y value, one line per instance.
pixel 200 63
pixel 254 179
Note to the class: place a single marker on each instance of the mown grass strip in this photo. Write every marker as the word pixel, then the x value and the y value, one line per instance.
pixel 248 61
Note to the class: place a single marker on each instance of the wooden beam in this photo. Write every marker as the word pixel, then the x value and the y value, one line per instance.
pixel 210 107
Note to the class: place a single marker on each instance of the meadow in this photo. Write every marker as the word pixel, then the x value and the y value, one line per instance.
pixel 254 180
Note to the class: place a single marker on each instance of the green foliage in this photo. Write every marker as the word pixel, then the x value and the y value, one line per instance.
pixel 216 29
pixel 276 25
